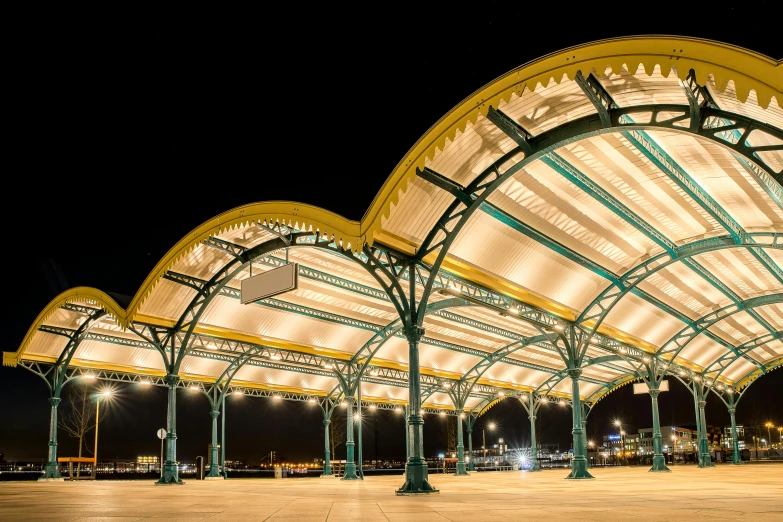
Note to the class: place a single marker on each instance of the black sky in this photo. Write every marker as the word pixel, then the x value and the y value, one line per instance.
pixel 124 136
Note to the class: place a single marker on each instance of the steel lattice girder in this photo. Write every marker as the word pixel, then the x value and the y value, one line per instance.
pixel 672 348
pixel 728 359
pixel 215 348
pixel 326 316
pixel 646 145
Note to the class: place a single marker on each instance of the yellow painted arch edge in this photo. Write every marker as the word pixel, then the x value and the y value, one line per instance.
pixel 299 215
pixel 747 69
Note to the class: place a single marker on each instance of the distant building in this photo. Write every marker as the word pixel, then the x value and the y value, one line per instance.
pixel 681 440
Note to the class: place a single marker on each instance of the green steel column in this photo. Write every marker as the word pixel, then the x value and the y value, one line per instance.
pixel 214 467
pixel 223 439
pixel 460 449
pixel 360 457
pixel 735 456
pixel 584 441
pixel 471 464
pixel 52 467
pixel 350 462
pixel 407 438
pixel 659 462
pixel 170 469
pixel 704 449
pixel 534 465
pixel 579 468
pixel 327 453
pixel 416 467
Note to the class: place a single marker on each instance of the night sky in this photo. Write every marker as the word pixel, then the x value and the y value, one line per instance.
pixel 125 138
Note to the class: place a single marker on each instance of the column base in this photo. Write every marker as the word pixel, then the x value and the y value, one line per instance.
pixel 579 474
pixel 416 482
pixel 659 464
pixel 350 472
pixel 169 481
pixel 51 479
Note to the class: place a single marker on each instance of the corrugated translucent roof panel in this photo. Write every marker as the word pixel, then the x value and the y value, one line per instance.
pixel 493 318
pixel 116 354
pixel 228 313
pixel 462 334
pixel 689 220
pixel 203 366
pixel 202 261
pixel 272 377
pixel 384 392
pixel 738 370
pixel 432 357
pixel 551 204
pixel 506 373
pixel 684 290
pixel 167 300
pixel 722 176
pixel 522 262
pixel 332 264
pixel 471 152
pixel 440 400
pixel 620 170
pixel 545 108
pixel 738 328
pixel 637 88
pixel 773 314
pixel 727 100
pixel 702 351
pixel 247 235
pixel 740 271
pixel 47 344
pixel 767 352
pixel 422 199
pixel 643 320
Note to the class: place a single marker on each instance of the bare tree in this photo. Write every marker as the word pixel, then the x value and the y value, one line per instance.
pixel 337 432
pixel 447 430
pixel 77 419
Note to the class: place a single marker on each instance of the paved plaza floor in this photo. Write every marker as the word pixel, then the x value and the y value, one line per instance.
pixel 749 492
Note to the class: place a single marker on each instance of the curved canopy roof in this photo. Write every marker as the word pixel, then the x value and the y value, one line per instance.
pixel 628 188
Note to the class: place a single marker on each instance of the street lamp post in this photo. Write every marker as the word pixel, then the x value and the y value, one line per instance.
pixel 97 422
pixel 622 439
pixel 769 436
pixel 674 448
pixel 484 441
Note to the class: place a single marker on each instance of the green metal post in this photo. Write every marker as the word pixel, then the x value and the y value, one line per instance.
pixel 579 468
pixel 360 457
pixel 350 462
pixel 52 467
pixel 214 467
pixel 170 469
pixel 460 471
pixel 471 464
pixel 736 458
pixel 327 453
pixel 416 467
pixel 704 450
pixel 584 441
pixel 223 439
pixel 407 438
pixel 659 462
pixel 534 465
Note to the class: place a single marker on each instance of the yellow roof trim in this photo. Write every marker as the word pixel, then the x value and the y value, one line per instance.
pixel 82 295
pixel 747 69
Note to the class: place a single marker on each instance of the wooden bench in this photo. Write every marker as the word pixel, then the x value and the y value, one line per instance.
pixel 77 460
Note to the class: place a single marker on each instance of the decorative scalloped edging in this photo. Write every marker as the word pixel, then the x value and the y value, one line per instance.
pixel 81 294
pixel 748 70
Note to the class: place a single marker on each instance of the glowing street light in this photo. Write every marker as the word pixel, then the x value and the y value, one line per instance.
pixel 105 393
